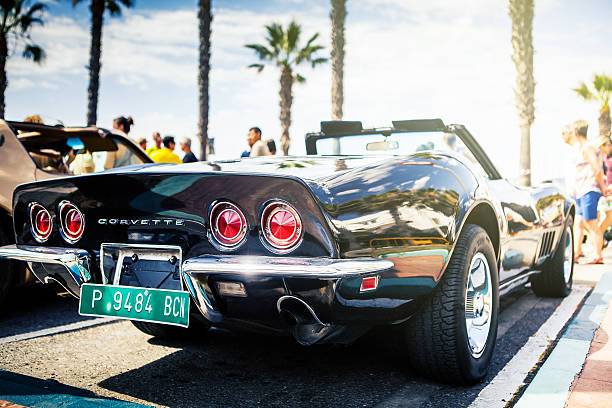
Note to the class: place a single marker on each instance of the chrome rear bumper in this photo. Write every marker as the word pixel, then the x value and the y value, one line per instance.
pixel 288 267
pixel 304 288
pixel 70 267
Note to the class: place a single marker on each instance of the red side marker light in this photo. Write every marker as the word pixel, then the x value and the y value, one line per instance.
pixel 369 283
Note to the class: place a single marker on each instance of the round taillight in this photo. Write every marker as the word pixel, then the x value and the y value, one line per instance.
pixel 72 222
pixel 228 225
pixel 281 226
pixel 41 222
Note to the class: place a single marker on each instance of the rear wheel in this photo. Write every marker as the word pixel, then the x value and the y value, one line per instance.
pixel 557 274
pixel 453 336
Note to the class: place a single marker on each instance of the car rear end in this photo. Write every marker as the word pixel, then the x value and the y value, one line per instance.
pixel 252 251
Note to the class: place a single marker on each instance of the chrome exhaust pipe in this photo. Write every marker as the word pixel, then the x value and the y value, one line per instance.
pixel 305 325
pixel 296 310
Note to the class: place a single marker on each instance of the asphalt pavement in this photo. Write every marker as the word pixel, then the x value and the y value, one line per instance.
pixel 44 343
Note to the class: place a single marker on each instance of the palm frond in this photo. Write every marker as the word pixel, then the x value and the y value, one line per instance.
pixel 259 67
pixel 300 79
pixel 293 37
pixel 113 8
pixel 602 83
pixel 7 4
pixel 311 40
pixel 17 8
pixel 318 61
pixel 306 53
pixel 584 92
pixel 25 22
pixel 36 8
pixel 263 53
pixel 276 37
pixel 34 52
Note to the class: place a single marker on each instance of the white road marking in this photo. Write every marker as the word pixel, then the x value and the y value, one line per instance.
pixel 56 330
pixel 501 389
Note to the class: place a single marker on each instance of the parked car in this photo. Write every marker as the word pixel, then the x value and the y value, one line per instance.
pixel 32 151
pixel 409 226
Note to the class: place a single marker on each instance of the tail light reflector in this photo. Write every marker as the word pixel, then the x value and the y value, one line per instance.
pixel 72 222
pixel 369 283
pixel 281 225
pixel 228 224
pixel 41 222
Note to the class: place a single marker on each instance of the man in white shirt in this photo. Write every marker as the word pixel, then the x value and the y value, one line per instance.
pixel 258 148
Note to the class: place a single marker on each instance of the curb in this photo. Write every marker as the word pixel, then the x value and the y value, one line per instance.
pixel 551 385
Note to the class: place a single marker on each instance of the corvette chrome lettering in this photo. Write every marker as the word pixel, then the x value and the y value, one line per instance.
pixel 117 221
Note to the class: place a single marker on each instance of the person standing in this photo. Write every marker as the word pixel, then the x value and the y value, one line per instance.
pixel 158 143
pixel 142 142
pixel 605 205
pixel 166 153
pixel 122 156
pixel 258 147
pixel 189 157
pixel 590 186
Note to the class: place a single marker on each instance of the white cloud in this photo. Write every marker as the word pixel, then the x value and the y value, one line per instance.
pixel 404 59
pixel 22 83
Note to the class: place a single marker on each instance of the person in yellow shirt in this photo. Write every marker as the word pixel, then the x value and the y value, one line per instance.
pixel 157 147
pixel 166 153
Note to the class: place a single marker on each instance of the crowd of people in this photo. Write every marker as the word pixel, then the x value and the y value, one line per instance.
pixel 590 182
pixel 163 149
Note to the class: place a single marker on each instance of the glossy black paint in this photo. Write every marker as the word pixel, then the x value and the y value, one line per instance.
pixel 161 200
pixel 408 209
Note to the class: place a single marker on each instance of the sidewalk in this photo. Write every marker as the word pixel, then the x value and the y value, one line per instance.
pixel 578 372
pixel 593 386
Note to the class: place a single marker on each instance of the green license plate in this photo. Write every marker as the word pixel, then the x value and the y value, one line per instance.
pixel 151 305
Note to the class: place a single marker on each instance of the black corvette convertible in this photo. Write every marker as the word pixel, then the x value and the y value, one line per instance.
pixel 409 226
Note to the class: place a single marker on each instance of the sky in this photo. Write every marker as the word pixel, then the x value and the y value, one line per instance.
pixel 405 59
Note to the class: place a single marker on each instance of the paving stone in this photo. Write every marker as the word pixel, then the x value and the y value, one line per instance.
pixel 590 393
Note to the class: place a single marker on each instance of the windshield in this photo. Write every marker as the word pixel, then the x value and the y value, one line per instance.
pixel 397 143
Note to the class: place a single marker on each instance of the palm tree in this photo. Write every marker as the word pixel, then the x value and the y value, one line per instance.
pixel 602 88
pixel 17 20
pixel 205 19
pixel 97 8
pixel 338 15
pixel 283 50
pixel 521 13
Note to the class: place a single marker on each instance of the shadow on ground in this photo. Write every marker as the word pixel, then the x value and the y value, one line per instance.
pixel 37 307
pixel 238 369
pixel 225 368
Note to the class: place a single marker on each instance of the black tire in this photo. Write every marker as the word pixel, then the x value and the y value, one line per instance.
pixel 436 337
pixel 551 282
pixel 7 270
pixel 170 332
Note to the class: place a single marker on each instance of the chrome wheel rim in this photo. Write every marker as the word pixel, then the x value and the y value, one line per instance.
pixel 568 256
pixel 478 304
